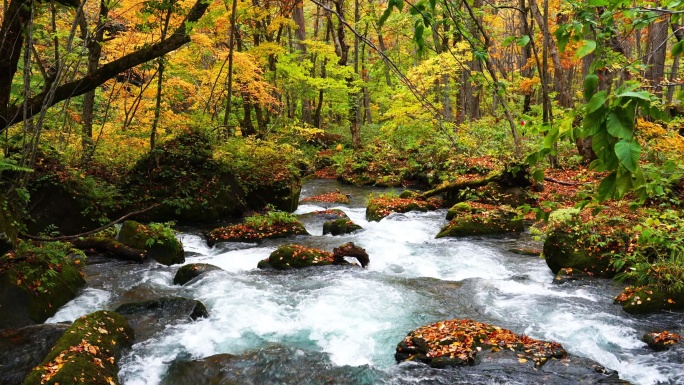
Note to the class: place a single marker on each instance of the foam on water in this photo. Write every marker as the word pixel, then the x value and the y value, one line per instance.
pixel 88 301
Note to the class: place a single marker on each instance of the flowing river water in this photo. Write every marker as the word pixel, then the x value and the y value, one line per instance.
pixel 341 324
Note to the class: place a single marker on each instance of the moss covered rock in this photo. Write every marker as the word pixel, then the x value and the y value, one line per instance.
pixel 297 256
pixel 564 249
pixel 189 272
pixel 478 219
pixel 35 281
pixel 88 352
pixel 271 225
pixel 340 226
pixel 458 342
pixel 183 176
pixel 158 240
pixel 382 206
pixel 644 299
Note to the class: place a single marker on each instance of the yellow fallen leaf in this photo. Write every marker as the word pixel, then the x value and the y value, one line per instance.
pixel 522 360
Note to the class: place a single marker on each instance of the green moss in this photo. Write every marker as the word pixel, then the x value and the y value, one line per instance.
pixel 340 226
pixel 88 352
pixel 157 239
pixel 496 221
pixel 458 208
pixel 568 250
pixel 297 256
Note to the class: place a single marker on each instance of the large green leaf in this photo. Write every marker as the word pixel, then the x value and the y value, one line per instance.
pixel 643 95
pixel 619 125
pixel 606 188
pixel 628 152
pixel 590 84
pixel 597 101
pixel 588 47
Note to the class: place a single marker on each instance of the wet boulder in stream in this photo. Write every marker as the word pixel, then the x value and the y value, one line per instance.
pixel 660 341
pixel 189 272
pixel 149 317
pixel 23 349
pixel 340 226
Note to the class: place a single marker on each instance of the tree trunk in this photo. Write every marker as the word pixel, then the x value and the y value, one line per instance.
pixel 94 44
pixel 564 96
pixel 160 82
pixel 656 53
pixel 300 36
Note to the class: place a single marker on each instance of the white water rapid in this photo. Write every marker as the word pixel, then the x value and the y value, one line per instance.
pixel 353 318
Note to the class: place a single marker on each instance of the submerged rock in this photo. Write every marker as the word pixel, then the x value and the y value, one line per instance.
pixel 340 226
pixel 481 348
pixel 160 243
pixel 188 273
pixel 382 206
pixel 468 219
pixel 148 317
pixel 273 364
pixel 88 352
pixel 23 349
pixel 660 341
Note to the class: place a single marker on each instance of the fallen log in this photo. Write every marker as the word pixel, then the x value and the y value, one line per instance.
pixel 110 247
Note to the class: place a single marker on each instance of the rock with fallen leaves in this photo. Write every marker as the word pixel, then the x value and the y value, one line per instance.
pixel 471 218
pixel 382 206
pixel 87 353
pixel 333 197
pixel 458 342
pixel 340 226
pixel 660 341
pixel 192 271
pixel 646 299
pixel 326 215
pixel 248 233
pixel 297 257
